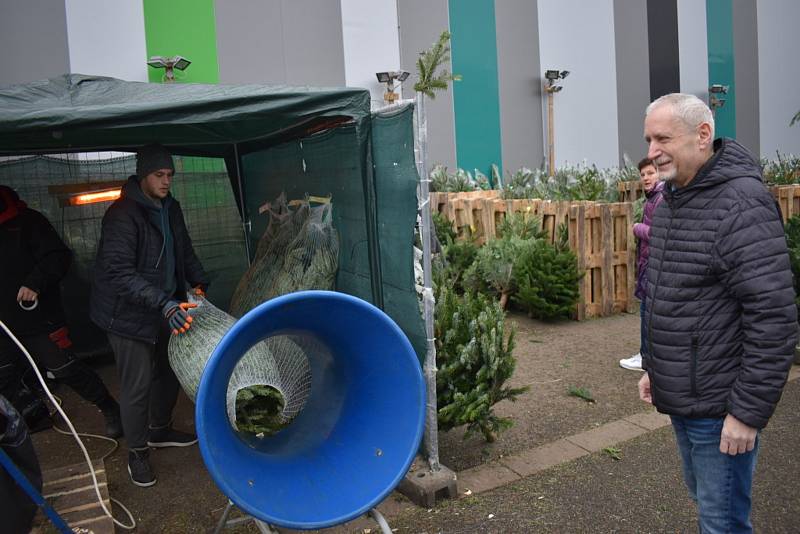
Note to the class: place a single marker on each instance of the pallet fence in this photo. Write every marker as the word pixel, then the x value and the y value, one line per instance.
pixel 599 234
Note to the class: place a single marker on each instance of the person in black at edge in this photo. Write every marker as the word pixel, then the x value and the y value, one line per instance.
pixel 145 264
pixel 34 260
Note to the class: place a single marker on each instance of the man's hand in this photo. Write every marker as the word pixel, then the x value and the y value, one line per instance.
pixel 178 316
pixel 736 437
pixel 26 294
pixel 644 389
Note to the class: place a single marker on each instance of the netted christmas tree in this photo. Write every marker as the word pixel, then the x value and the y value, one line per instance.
pixel 475 359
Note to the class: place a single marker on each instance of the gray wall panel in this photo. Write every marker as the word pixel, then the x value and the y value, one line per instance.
pixel 519 74
pixel 745 50
pixel 633 75
pixel 33 40
pixel 250 41
pixel 294 42
pixel 421 22
pixel 312 37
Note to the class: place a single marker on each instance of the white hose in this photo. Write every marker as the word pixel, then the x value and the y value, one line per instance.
pixel 72 431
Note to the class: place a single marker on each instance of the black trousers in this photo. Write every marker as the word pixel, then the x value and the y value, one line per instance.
pixel 148 386
pixel 61 362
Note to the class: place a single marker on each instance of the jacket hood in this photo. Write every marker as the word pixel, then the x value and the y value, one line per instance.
pixel 132 190
pixel 730 160
pixel 656 189
pixel 10 204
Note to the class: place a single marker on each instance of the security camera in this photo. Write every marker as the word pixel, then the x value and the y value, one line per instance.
pixel 718 89
pixel 564 74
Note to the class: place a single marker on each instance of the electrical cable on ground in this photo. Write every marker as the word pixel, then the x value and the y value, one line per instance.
pixel 74 433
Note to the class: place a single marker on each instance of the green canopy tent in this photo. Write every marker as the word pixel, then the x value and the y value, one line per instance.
pixel 299 140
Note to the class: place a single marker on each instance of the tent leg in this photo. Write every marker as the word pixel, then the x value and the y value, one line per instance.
pixel 245 216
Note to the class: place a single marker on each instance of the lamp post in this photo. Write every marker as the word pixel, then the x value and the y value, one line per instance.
pixel 169 64
pixel 550 87
pixel 715 100
pixel 389 79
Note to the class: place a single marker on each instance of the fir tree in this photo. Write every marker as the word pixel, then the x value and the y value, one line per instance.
pixel 475 360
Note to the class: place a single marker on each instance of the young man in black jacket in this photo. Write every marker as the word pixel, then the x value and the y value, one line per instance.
pixel 35 259
pixel 720 315
pixel 145 265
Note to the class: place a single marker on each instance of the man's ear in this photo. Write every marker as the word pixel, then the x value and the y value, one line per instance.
pixel 705 137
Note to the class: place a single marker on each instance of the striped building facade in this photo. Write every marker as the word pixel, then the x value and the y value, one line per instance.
pixel 621 54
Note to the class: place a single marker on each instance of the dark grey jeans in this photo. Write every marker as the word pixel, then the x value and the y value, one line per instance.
pixel 148 387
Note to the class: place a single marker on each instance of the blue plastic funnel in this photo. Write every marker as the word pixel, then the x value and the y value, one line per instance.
pixel 356 436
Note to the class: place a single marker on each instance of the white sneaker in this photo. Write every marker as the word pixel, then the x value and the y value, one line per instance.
pixel 634 363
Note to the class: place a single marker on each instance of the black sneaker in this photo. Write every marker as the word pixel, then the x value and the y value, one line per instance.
pixel 139 468
pixel 169 437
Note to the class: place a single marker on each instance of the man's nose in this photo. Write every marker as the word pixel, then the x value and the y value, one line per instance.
pixel 653 151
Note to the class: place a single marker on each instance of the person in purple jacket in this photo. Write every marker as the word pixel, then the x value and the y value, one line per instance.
pixel 648 174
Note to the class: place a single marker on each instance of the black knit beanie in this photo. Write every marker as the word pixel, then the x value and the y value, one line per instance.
pixel 151 158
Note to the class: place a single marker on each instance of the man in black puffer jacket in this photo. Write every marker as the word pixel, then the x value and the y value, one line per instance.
pixel 145 264
pixel 720 317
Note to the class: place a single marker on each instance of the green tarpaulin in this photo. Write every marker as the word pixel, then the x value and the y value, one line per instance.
pixel 294 139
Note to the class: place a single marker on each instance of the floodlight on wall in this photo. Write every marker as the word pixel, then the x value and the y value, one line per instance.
pixel 169 64
pixel 715 100
pixel 389 78
pixel 552 76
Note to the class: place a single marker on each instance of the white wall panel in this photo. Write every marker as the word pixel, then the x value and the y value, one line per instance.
pixel 779 75
pixel 578 36
pixel 693 47
pixel 106 37
pixel 371 43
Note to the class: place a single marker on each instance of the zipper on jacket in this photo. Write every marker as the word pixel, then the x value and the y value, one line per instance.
pixel 693 365
pixel 164 239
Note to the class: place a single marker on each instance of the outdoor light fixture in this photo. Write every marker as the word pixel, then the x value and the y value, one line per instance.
pixel 550 87
pixel 715 100
pixel 389 79
pixel 169 64
pixel 92 198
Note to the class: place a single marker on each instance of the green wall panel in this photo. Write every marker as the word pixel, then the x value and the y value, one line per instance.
pixel 186 28
pixel 476 98
pixel 719 17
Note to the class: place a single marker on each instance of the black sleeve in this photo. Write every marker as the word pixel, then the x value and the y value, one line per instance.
pixel 119 243
pixel 752 249
pixel 51 256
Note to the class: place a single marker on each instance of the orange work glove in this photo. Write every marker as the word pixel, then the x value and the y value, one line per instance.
pixel 177 316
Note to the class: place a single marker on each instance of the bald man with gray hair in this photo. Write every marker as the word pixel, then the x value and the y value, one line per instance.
pixel 720 312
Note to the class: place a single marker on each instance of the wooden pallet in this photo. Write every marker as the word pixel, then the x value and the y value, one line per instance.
pixel 630 191
pixel 788 197
pixel 599 234
pixel 70 492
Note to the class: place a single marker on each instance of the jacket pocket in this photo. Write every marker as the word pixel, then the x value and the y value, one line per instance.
pixel 693 366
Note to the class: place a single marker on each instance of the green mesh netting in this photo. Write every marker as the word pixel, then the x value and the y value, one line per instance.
pixel 201 185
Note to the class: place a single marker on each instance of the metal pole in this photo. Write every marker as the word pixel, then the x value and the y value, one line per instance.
pixel 245 222
pixel 20 478
pixel 551 144
pixel 429 367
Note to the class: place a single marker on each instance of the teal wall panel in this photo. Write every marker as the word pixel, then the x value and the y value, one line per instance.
pixel 476 97
pixel 721 62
